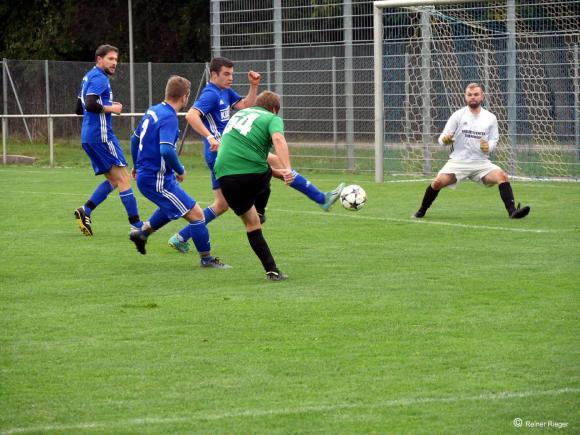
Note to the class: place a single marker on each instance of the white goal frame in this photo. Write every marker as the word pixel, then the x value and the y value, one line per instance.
pixel 378 7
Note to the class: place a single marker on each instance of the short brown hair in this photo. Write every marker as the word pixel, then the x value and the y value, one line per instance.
pixel 217 63
pixel 473 85
pixel 105 49
pixel 269 100
pixel 177 87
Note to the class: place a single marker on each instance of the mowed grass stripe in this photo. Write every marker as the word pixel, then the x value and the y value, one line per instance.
pixel 257 413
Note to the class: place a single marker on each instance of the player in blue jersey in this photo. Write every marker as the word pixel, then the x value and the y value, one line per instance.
pixel 95 103
pixel 209 116
pixel 158 172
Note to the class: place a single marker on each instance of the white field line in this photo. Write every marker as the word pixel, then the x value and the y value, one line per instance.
pixel 360 217
pixel 256 413
pixel 424 222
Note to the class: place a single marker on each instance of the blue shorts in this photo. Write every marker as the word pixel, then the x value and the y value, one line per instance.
pixel 173 201
pixel 105 155
pixel 210 162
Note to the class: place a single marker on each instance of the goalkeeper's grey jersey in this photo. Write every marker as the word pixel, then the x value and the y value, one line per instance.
pixel 468 129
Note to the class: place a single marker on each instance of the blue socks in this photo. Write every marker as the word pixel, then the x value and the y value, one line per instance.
pixel 209 215
pixel 200 235
pixel 185 233
pixel 98 196
pixel 301 184
pixel 130 204
pixel 158 220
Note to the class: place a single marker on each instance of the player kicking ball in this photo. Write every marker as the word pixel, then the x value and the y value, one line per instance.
pixel 472 133
pixel 158 172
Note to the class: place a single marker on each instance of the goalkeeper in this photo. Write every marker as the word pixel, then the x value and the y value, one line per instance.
pixel 472 133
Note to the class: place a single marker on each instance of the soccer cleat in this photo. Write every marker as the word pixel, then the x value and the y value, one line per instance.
pixel 331 197
pixel 136 237
pixel 519 213
pixel 262 217
pixel 178 245
pixel 84 221
pixel 418 214
pixel 276 276
pixel 214 262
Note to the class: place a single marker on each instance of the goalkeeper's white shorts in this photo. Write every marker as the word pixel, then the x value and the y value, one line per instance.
pixel 475 170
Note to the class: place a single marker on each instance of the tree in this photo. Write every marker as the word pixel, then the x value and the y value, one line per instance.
pixel 163 30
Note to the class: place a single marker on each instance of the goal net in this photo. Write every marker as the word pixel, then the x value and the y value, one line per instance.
pixel 523 52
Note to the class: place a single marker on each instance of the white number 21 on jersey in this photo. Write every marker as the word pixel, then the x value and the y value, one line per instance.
pixel 242 122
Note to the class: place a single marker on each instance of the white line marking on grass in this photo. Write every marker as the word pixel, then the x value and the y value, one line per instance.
pixel 425 222
pixel 256 413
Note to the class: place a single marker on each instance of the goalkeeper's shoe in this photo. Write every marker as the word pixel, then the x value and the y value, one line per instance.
pixel 419 214
pixel 178 245
pixel 331 197
pixel 214 262
pixel 137 237
pixel 84 221
pixel 520 212
pixel 276 275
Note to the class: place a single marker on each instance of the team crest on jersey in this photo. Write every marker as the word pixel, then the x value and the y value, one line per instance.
pixel 225 114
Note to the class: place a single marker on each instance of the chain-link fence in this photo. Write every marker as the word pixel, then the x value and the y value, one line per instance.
pixel 319 57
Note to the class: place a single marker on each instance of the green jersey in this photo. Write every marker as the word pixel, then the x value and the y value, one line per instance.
pixel 246 142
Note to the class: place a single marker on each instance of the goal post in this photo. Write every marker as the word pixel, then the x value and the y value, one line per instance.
pixel 523 52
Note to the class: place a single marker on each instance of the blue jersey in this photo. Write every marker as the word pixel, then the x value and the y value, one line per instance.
pixel 158 126
pixel 97 127
pixel 215 104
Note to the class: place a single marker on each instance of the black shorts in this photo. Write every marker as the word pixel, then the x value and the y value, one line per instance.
pixel 242 191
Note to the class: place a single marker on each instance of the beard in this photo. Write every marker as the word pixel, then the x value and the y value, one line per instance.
pixel 109 71
pixel 474 104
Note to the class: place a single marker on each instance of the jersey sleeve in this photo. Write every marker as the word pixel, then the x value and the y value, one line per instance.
pixel 97 86
pixel 493 135
pixel 207 102
pixel 450 127
pixel 168 129
pixel 234 97
pixel 276 125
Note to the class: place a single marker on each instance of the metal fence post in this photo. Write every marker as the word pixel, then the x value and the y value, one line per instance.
pixel 348 84
pixel 334 122
pixel 4 120
pixel 576 103
pixel 50 120
pixel 278 55
pixel 150 83
pixel 512 89
pixel 426 88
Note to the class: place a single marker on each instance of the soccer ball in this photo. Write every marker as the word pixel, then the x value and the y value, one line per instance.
pixel 353 197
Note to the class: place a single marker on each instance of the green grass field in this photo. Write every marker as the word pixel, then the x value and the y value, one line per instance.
pixel 458 323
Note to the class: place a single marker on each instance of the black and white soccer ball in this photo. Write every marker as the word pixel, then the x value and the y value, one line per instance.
pixel 353 197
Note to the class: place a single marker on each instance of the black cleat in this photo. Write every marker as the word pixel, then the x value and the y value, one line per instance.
pixel 520 212
pixel 215 263
pixel 262 217
pixel 276 276
pixel 140 241
pixel 418 214
pixel 84 221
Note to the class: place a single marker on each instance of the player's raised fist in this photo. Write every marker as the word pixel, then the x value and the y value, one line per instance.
pixel 254 77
